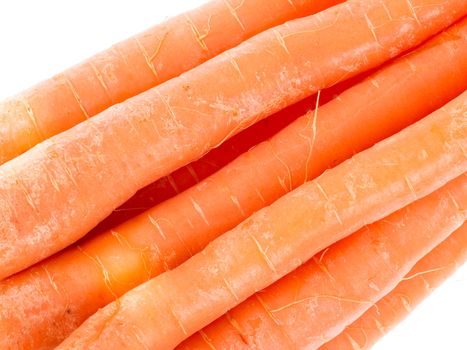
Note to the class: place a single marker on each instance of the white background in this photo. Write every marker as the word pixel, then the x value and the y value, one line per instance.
pixel 41 38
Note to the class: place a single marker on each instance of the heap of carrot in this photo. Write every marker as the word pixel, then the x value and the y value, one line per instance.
pixel 230 180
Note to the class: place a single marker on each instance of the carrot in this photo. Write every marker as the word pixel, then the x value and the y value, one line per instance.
pixel 188 176
pixel 426 275
pixel 279 238
pixel 193 173
pixel 129 254
pixel 137 64
pixel 312 304
pixel 53 194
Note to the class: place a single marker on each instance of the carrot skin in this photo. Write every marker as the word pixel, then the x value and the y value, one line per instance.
pixel 135 65
pixel 313 303
pixel 188 176
pixel 279 238
pixel 428 274
pixel 150 243
pixel 53 193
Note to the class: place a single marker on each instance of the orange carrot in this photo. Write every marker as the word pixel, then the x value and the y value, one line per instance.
pixel 137 64
pixel 129 254
pixel 315 302
pixel 279 238
pixel 193 173
pixel 53 194
pixel 426 275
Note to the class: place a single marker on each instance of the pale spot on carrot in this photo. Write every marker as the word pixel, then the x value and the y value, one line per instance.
pixel 387 11
pixel 318 29
pixel 284 164
pixel 206 339
pixel 412 66
pixel 139 335
pixel 379 326
pixel 101 81
pixel 338 298
pixel 266 309
pixel 75 95
pixel 146 59
pixel 315 118
pixel 115 309
pixel 117 51
pixel 349 8
pixel 426 284
pixel 230 288
pixel 52 179
pixel 321 190
pixel 32 117
pixel 374 82
pixel 50 279
pixel 353 342
pixel 292 4
pixel 374 286
pixel 260 195
pixel 236 66
pixel 155 223
pixel 192 172
pixel 263 253
pixel 123 241
pixel 233 11
pixel 161 257
pixel 169 108
pixel 456 204
pixel 173 184
pixel 282 184
pixel 237 204
pixel 414 14
pixel 323 268
pixel 177 319
pixel 405 303
pixel 410 186
pixel 281 41
pixel 198 36
pixel 27 195
pixel 190 223
pixel 105 272
pixel 158 48
pixel 311 140
pixel 199 210
pixel 421 273
pixel 236 326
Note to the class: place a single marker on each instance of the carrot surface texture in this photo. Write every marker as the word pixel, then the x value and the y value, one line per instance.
pixel 137 64
pixel 53 194
pixel 429 273
pixel 131 253
pixel 191 174
pixel 279 238
pixel 314 303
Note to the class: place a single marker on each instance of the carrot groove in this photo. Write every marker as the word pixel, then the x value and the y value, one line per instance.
pixel 193 173
pixel 315 302
pixel 48 194
pixel 149 244
pixel 137 64
pixel 279 238
pixel 426 275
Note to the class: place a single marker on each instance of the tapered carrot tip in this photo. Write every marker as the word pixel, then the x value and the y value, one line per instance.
pixel 429 273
